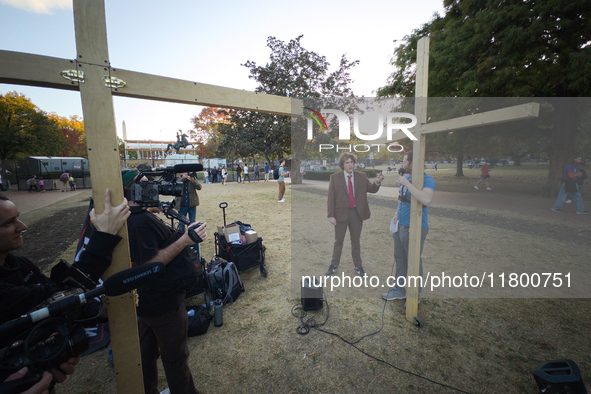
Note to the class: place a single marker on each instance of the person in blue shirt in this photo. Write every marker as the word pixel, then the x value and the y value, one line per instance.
pixel 283 172
pixel 267 171
pixel 402 219
pixel 569 184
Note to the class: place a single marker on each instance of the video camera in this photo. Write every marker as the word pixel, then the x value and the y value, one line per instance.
pixel 146 193
pixel 48 336
pixel 403 194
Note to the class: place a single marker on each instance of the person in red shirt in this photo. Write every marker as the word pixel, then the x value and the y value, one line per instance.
pixel 484 176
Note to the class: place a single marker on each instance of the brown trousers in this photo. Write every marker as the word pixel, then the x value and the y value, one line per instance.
pixel 355 225
pixel 166 335
pixel 281 189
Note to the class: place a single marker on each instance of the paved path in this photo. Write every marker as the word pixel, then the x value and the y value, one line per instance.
pixel 530 205
pixel 479 199
pixel 29 202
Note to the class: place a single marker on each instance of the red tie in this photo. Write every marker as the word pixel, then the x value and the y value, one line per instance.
pixel 351 196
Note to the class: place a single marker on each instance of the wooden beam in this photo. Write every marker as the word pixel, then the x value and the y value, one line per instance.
pixel 103 158
pixel 153 87
pixel 19 68
pixel 44 71
pixel 509 114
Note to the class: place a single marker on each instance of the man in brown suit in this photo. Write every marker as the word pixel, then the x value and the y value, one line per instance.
pixel 347 207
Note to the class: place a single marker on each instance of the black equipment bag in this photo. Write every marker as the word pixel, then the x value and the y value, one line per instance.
pixel 244 256
pixel 199 320
pixel 223 281
pixel 200 284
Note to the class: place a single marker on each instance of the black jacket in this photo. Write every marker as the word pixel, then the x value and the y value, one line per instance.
pixel 23 286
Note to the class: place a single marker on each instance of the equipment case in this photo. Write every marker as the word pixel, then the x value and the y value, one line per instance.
pixel 244 256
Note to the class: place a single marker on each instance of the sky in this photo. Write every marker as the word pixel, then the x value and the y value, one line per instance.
pixel 207 42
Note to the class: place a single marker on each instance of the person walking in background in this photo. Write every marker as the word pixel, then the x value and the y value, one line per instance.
pixel 267 171
pixel 224 175
pixel 72 183
pixel 347 207
pixel 41 184
pixel 64 179
pixel 281 181
pixel 569 185
pixel 206 175
pixel 580 180
pixel 32 183
pixel 257 175
pixel 484 176
pixel 238 173
pixel 246 175
pixel 214 174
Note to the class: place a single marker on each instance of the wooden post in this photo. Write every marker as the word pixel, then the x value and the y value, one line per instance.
pixel 418 163
pixel 103 158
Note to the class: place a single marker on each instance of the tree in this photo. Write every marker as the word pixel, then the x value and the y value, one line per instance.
pixel 72 130
pixel 26 130
pixel 507 48
pixel 206 128
pixel 292 71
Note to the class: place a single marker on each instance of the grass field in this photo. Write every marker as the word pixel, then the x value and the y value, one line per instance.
pixel 477 345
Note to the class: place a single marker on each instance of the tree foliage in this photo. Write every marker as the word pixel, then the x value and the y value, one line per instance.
pixel 26 130
pixel 72 130
pixel 506 48
pixel 205 133
pixel 292 71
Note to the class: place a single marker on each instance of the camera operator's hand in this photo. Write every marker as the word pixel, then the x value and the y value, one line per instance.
pixel 111 220
pixel 402 181
pixel 200 231
pixel 41 387
pixel 66 368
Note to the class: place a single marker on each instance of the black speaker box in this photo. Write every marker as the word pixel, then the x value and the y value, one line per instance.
pixel 559 377
pixel 311 296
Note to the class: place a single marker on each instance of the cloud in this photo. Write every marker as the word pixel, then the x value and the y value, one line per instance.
pixel 39 6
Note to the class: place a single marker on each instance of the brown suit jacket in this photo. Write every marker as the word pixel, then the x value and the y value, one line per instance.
pixel 338 195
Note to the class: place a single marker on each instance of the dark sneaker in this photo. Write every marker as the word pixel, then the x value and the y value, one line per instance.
pixel 393 295
pixel 359 271
pixel 331 270
pixel 556 210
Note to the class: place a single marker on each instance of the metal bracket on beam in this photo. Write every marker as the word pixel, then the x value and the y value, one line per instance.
pixel 73 75
pixel 114 82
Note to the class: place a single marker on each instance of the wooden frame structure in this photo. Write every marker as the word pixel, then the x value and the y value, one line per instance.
pixel 518 112
pixel 92 74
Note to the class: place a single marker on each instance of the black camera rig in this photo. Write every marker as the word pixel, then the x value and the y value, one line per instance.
pixel 147 193
pixel 50 335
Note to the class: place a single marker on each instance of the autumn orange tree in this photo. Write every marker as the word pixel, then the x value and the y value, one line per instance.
pixel 206 130
pixel 72 130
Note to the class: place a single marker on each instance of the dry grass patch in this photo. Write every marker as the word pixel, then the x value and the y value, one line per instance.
pixel 478 345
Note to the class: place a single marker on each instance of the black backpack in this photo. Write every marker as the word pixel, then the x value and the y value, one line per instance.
pixel 276 173
pixel 224 281
pixel 199 319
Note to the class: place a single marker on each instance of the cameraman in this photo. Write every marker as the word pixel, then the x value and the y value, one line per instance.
pixel 23 286
pixel 189 201
pixel 163 319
